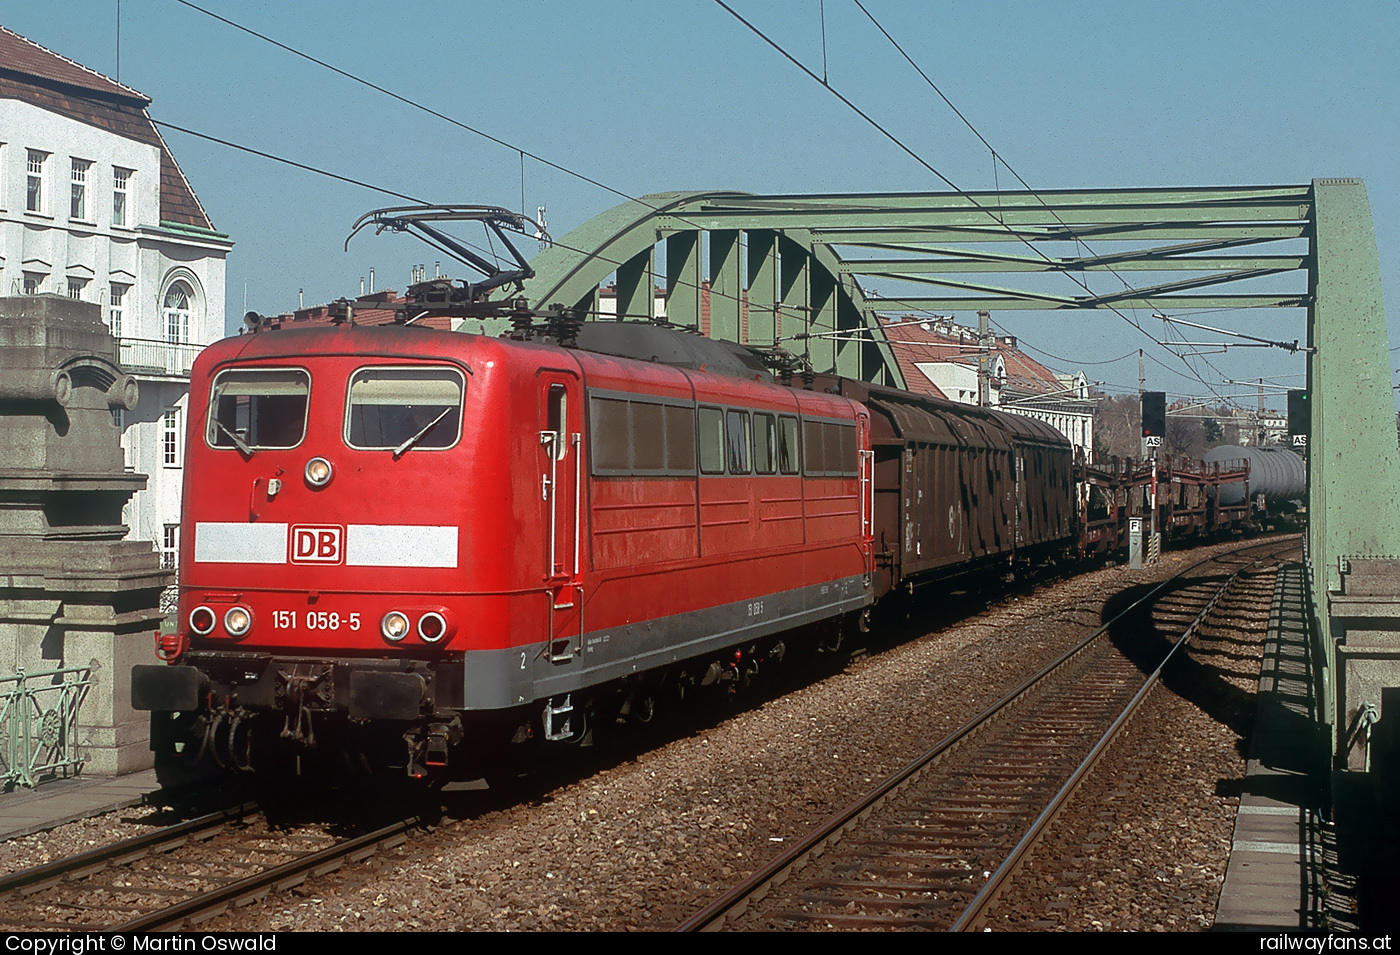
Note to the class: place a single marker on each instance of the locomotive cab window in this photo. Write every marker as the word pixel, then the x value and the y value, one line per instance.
pixel 403 408
pixel 252 408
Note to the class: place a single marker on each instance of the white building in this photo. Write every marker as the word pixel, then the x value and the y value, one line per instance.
pixel 94 206
pixel 940 358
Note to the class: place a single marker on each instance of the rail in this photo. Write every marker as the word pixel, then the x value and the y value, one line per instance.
pixel 738 899
pixel 974 914
pixel 39 721
pixel 163 879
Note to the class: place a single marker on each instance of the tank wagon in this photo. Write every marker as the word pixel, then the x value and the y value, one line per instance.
pixel 1278 476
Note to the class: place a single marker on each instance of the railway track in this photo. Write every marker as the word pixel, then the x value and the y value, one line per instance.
pixel 932 846
pixel 180 875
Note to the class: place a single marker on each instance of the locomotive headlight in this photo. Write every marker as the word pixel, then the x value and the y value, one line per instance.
pixel 318 472
pixel 202 620
pixel 394 626
pixel 431 627
pixel 238 622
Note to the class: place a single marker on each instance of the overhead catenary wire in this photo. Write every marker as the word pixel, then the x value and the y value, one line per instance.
pixel 909 151
pixel 588 179
pixel 455 122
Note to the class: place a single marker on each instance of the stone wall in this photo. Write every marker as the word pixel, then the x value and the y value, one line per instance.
pixel 73 592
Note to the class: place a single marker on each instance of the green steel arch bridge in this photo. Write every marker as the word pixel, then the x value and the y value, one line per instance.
pixel 794 269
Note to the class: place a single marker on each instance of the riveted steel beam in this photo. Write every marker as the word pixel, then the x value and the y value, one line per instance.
pixel 1123 263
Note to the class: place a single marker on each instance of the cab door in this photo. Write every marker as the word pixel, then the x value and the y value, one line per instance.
pixel 561 492
pixel 866 470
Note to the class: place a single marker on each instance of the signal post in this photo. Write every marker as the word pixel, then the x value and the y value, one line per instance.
pixel 1154 427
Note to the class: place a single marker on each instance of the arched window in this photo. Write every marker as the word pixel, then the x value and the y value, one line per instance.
pixel 179 301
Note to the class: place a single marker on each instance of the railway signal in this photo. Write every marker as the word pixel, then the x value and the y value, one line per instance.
pixel 1299 418
pixel 1154 429
pixel 1154 418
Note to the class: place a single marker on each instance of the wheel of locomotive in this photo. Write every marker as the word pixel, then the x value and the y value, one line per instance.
pixel 181 754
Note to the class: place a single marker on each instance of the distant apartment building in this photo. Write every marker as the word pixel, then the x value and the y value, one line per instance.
pixel 93 206
pixel 1263 428
pixel 940 358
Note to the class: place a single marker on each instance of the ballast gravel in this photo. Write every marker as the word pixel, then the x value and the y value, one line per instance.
pixel 639 837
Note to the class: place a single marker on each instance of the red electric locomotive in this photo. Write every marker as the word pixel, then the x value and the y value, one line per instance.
pixel 397 539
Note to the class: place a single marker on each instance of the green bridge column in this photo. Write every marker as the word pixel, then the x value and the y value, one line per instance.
pixel 1354 466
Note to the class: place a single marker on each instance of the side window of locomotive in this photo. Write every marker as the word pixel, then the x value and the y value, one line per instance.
pixel 844 440
pixel 739 442
pixel 648 437
pixel 765 433
pixel 813 450
pixel 608 432
pixel 680 439
pixel 641 437
pixel 260 407
pixel 788 461
pixel 711 441
pixel 829 448
pixel 404 407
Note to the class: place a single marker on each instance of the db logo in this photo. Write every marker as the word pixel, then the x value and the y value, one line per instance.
pixel 316 544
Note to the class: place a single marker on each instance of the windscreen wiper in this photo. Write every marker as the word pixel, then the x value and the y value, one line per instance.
pixel 238 442
pixel 401 449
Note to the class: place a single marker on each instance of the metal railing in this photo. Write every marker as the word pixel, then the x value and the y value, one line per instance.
pixel 39 721
pixel 157 357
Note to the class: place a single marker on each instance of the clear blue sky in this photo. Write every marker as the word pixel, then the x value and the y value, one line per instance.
pixel 650 96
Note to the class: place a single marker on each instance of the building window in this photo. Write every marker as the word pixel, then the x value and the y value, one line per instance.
pixel 114 311
pixel 33 283
pixel 170 438
pixel 120 178
pixel 75 288
pixel 170 546
pixel 34 197
pixel 78 209
pixel 178 300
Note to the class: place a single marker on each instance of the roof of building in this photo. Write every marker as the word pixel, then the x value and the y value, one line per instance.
pixel 34 74
pixel 914 342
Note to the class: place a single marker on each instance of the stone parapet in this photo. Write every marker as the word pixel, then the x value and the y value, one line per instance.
pixel 73 593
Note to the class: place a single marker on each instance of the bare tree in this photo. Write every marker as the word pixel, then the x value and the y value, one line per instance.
pixel 1117 427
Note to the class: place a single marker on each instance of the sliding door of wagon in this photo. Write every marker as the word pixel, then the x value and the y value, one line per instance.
pixel 561 491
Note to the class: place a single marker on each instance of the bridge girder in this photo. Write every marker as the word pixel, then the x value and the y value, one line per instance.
pixel 752 282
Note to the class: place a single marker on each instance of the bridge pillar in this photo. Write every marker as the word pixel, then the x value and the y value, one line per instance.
pixel 1353 468
pixel 78 604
